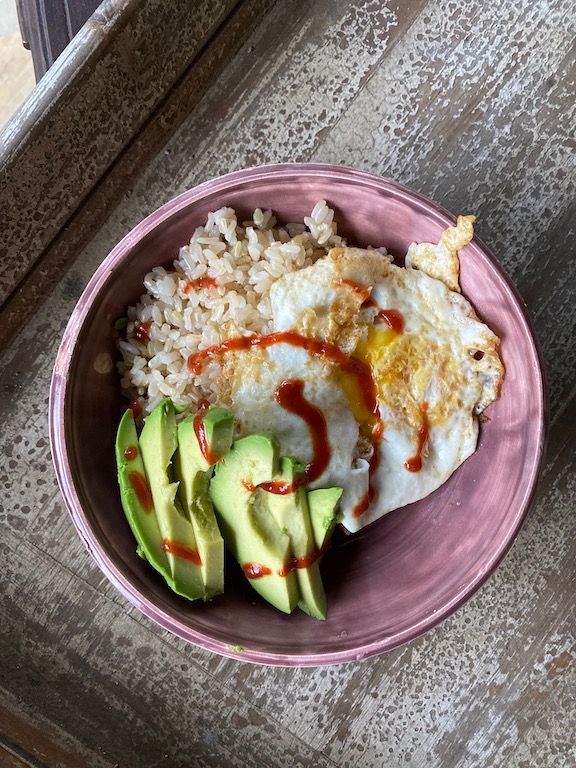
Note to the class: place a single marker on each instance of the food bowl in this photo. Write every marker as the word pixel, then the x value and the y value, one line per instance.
pixel 396 578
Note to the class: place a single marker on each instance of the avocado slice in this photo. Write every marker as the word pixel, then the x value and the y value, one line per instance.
pixel 211 434
pixel 193 463
pixel 290 510
pixel 158 442
pixel 136 496
pixel 249 529
pixel 323 507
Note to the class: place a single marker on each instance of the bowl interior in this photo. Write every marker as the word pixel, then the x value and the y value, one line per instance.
pixel 396 578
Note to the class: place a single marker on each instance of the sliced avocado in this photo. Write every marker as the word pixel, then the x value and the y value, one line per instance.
pixel 250 531
pixel 136 496
pixel 194 471
pixel 290 510
pixel 158 442
pixel 209 436
pixel 323 507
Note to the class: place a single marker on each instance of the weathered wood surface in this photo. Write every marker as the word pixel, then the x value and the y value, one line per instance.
pixel 472 104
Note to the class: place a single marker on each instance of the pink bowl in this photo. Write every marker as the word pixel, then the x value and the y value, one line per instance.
pixel 398 577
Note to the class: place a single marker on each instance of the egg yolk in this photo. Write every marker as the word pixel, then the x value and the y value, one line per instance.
pixel 410 369
pixel 367 351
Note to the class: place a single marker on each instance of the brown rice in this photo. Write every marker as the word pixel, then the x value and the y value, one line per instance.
pixel 218 287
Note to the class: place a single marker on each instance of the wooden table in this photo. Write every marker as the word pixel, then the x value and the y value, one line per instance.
pixel 472 104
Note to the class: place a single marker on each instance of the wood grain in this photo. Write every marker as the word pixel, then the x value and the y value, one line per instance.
pixel 471 104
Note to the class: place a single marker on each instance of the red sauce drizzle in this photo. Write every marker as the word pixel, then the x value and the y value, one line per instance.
pixel 301 562
pixel 200 432
pixel 141 489
pixel 290 395
pixel 363 292
pixel 255 570
pixel 369 303
pixel 142 333
pixel 179 550
pixel 200 282
pixel 392 317
pixel 136 408
pixel 350 365
pixel 130 453
pixel 415 463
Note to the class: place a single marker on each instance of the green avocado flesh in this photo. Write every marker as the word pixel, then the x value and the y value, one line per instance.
pixel 189 490
pixel 137 498
pixel 250 531
pixel 323 508
pixel 290 510
pixel 194 471
pixel 158 442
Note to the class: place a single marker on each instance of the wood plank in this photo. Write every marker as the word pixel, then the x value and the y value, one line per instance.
pixel 460 111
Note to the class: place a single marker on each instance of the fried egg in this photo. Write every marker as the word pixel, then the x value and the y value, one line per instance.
pixel 400 368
